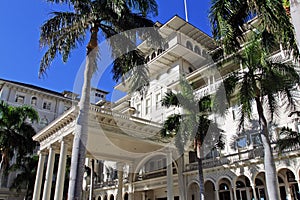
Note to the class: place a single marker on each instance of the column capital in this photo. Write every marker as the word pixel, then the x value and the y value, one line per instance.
pixel 42 153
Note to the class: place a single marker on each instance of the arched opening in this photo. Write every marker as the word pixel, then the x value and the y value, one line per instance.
pixel 260 190
pixel 224 189
pixel 288 185
pixel 193 191
pixel 147 59
pixel 99 198
pixel 209 189
pixel 159 51
pixel 189 45
pixel 126 196
pixel 243 189
pixel 33 101
pixel 153 55
pixel 111 197
pixel 197 50
pixel 105 197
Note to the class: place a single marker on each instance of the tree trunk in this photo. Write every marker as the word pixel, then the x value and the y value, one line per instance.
pixel 295 15
pixel 270 169
pixel 81 128
pixel 200 170
pixel 180 177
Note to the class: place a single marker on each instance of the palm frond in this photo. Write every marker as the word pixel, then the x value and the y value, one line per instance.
pixel 61 34
pixel 290 139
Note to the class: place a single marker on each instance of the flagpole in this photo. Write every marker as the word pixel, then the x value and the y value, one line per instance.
pixel 186 13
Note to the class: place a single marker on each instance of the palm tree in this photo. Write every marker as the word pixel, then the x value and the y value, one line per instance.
pixel 16 134
pixel 262 82
pixel 192 125
pixel 65 30
pixel 228 20
pixel 26 177
pixel 291 139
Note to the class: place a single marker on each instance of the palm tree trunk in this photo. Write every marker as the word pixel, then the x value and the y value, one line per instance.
pixel 180 177
pixel 200 170
pixel 270 169
pixel 81 128
pixel 295 13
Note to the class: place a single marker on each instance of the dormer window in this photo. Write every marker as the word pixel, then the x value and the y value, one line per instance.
pixel 33 101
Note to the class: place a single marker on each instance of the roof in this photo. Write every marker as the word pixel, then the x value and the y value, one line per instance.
pixel 33 87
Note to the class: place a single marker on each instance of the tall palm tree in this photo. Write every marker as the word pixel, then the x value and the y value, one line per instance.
pixel 228 20
pixel 16 134
pixel 65 30
pixel 260 82
pixel 192 125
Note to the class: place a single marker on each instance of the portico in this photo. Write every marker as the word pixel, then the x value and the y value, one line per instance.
pixel 112 136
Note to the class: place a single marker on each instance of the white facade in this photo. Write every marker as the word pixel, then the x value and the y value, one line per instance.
pixel 135 162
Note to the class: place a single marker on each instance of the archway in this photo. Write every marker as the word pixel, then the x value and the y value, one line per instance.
pixel 243 188
pixel 210 190
pixel 126 196
pixel 260 189
pixel 224 189
pixel 288 185
pixel 111 197
pixel 193 191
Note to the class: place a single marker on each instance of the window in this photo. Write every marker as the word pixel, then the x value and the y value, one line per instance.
pixel 197 50
pixel 153 55
pixel 20 98
pixel 148 106
pixel 138 108
pixel 189 45
pixel 157 101
pixel 44 121
pixel 33 101
pixel 47 105
pixel 241 142
pixel 256 140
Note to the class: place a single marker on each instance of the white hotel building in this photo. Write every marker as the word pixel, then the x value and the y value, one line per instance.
pixel 134 163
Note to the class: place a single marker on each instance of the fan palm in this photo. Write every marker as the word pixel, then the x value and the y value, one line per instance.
pixel 192 125
pixel 16 133
pixel 260 82
pixel 68 29
pixel 228 20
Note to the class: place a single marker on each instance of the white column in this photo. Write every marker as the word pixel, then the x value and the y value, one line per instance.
pixel 49 175
pixel 169 176
pixel 130 185
pixel 254 192
pixel 39 177
pixel 217 195
pixel 120 180
pixel 59 186
pixel 234 192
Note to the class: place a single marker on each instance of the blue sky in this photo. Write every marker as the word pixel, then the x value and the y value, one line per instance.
pixel 19 35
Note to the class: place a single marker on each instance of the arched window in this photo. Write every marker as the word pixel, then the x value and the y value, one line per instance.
pixel 111 197
pixel 33 101
pixel 197 50
pixel 223 186
pixel 153 55
pixel 99 198
pixel 189 45
pixel 126 196
pixel 147 59
pixel 159 51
